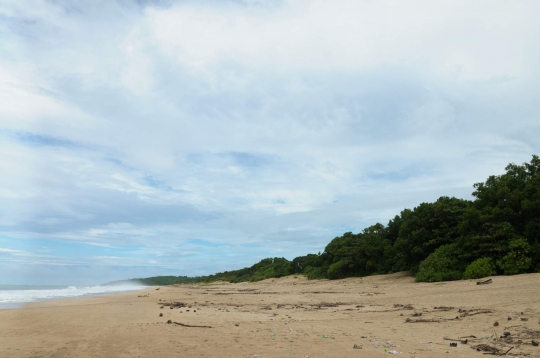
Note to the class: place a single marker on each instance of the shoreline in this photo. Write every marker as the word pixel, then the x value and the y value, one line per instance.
pixel 286 317
pixel 22 304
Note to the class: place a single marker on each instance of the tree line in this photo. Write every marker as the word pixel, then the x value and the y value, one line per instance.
pixel 497 233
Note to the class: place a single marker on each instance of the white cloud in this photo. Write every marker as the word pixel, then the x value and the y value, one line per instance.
pixel 470 41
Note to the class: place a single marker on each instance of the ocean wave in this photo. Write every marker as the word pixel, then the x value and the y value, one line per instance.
pixel 27 294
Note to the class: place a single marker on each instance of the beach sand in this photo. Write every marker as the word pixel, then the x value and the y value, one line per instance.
pixel 286 317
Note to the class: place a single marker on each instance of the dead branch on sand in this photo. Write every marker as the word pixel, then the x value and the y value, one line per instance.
pixel 486 282
pixel 189 325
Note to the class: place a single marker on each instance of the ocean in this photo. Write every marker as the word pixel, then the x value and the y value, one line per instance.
pixel 12 296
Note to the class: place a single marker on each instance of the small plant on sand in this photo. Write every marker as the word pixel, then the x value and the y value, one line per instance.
pixel 480 268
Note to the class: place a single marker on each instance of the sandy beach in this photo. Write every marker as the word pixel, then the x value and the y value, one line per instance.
pixel 287 317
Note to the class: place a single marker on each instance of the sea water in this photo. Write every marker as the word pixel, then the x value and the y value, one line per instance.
pixel 12 296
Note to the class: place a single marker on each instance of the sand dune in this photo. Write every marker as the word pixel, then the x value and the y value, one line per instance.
pixel 287 317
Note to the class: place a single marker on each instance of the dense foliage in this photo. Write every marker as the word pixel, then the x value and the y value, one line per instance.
pixel 450 239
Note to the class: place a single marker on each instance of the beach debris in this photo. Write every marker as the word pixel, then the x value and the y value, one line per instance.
pixel 496 324
pixel 161 315
pixel 534 342
pixel 403 307
pixel 237 324
pixel 462 341
pixel 157 289
pixel 417 314
pixel 190 325
pixel 491 350
pixel 453 344
pixel 255 356
pixel 444 308
pixel 328 304
pixel 509 318
pixel 486 348
pixel 172 304
pixel 161 307
pixel 169 322
pixel 486 282
pixel 357 346
pixel 474 312
pixel 506 334
pixel 530 334
pixel 394 352
pixel 524 318
pixel 421 320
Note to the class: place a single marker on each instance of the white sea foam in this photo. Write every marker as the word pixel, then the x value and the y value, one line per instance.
pixel 22 294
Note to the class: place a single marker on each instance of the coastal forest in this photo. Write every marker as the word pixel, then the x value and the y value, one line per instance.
pixel 496 233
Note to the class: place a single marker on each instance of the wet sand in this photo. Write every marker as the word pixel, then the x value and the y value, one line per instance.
pixel 287 317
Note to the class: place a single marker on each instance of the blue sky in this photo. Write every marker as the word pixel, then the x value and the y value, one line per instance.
pixel 143 138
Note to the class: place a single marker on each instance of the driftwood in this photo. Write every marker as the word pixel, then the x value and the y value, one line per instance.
pixel 486 348
pixel 409 320
pixel 491 350
pixel 173 304
pixel 191 326
pixel 474 312
pixel 499 353
pixel 403 307
pixel 486 282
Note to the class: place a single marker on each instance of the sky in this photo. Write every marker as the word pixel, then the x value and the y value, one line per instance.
pixel 143 138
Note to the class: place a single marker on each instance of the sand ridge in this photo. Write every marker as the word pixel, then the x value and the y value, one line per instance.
pixel 288 317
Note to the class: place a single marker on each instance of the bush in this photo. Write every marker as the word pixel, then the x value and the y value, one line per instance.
pixel 314 273
pixel 480 268
pixel 441 265
pixel 517 260
pixel 338 269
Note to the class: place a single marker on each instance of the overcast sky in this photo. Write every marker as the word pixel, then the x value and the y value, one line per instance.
pixel 143 138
